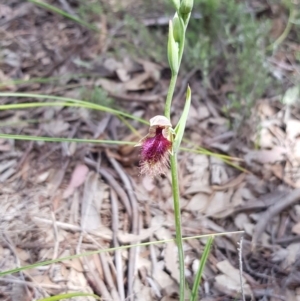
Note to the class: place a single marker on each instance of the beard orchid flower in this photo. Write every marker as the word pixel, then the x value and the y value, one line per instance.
pixel 156 147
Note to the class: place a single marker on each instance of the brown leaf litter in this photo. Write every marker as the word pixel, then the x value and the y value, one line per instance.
pixel 61 199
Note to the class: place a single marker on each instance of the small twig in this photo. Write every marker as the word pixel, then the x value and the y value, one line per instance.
pixel 56 243
pixel 240 249
pixel 288 200
pixel 14 252
pixel 70 227
pixel 61 287
pixel 96 281
pixel 230 184
pixel 108 277
pixel 135 224
pixel 114 184
pixel 118 258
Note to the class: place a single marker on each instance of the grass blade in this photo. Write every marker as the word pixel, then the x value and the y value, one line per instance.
pixel 62 101
pixel 194 296
pixel 44 263
pixel 70 102
pixel 64 14
pixel 55 139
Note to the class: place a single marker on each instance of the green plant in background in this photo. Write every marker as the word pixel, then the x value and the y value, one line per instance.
pixel 97 96
pixel 140 41
pixel 247 63
pixel 90 9
pixel 227 32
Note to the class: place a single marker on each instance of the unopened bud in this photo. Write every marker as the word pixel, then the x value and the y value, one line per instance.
pixel 173 50
pixel 177 29
pixel 186 7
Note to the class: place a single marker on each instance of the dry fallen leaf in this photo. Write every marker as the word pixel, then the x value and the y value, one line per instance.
pixel 198 202
pixel 274 155
pixel 56 127
pixel 292 129
pixel 91 203
pixel 142 292
pixel 231 278
pixel 293 255
pixel 77 179
pixel 296 228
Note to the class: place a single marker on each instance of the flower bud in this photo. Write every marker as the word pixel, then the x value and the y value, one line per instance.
pixel 177 29
pixel 173 50
pixel 185 9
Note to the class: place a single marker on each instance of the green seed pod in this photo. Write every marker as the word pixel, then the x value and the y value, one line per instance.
pixel 177 29
pixel 173 50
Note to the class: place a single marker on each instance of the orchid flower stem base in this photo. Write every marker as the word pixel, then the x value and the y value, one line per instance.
pixel 176 198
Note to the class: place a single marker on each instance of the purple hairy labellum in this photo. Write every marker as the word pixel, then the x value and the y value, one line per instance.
pixel 156 147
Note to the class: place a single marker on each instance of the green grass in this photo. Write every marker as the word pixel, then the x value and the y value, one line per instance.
pixel 58 11
pixel 125 247
pixel 70 102
pixel 199 274
pixel 230 35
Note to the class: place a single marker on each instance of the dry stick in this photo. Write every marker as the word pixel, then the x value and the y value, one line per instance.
pixel 263 202
pixel 70 227
pixel 118 258
pixel 55 231
pixel 98 283
pixel 240 249
pixel 288 200
pixel 114 184
pixel 108 277
pixel 68 287
pixel 135 223
pixel 14 252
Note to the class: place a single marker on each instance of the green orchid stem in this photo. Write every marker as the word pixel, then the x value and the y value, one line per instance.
pixel 170 95
pixel 174 79
pixel 174 171
pixel 176 198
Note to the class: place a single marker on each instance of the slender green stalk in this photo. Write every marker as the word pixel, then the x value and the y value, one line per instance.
pixel 170 96
pixel 176 197
pixel 173 82
pixel 57 139
pixel 65 101
pixel 175 67
pixel 144 244
pixel 204 257
pixel 64 14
